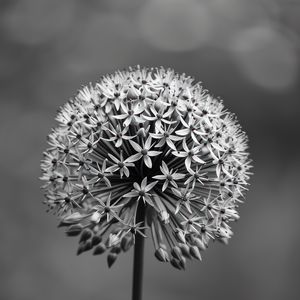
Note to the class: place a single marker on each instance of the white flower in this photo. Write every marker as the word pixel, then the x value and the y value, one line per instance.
pixel 146 140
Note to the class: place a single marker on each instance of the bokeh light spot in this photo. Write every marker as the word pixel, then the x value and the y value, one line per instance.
pixel 33 22
pixel 266 57
pixel 175 25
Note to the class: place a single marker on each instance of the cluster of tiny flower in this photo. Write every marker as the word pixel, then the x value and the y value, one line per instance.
pixel 151 141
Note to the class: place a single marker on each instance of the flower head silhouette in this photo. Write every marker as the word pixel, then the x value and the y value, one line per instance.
pixel 146 140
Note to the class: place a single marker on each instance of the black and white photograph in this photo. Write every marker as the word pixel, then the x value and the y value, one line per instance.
pixel 149 149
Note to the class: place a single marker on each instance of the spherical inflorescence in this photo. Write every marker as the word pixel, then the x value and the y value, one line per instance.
pixel 146 148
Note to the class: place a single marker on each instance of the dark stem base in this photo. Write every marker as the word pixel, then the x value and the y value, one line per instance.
pixel 138 261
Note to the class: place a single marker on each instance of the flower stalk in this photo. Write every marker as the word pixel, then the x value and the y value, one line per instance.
pixel 138 260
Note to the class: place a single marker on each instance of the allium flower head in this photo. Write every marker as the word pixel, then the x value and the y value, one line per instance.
pixel 150 141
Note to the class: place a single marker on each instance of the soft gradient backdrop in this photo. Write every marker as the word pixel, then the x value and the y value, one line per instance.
pixel 246 52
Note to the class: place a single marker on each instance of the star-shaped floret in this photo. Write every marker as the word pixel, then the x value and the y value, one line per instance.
pixel 192 128
pixel 131 114
pixel 159 116
pixel 184 197
pixel 221 162
pixel 196 176
pixel 62 201
pixel 120 164
pixel 142 191
pixel 100 173
pixel 190 155
pixel 165 136
pixel 191 224
pixel 169 176
pixel 118 135
pixel 105 208
pixel 143 152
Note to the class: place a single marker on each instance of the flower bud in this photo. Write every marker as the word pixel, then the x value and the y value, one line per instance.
pixel 164 216
pixel 116 249
pixel 74 230
pixel 176 264
pixel 71 219
pixel 194 251
pixel 185 249
pixel 176 252
pixel 84 246
pixel 86 234
pixel 96 239
pixel 162 255
pixel 179 235
pixel 95 217
pixel 88 245
pixel 111 258
pixel 199 243
pixel 182 262
pixel 126 243
pixel 99 249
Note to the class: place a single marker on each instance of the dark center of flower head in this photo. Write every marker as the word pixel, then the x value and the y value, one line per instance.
pixel 85 190
pixel 144 151
pixel 169 177
pixel 191 153
pixel 166 134
pixel 107 209
pixel 142 193
pixel 67 199
pixel 159 116
pixel 121 165
pixel 65 179
pixel 54 161
pixel 184 198
pixel 100 175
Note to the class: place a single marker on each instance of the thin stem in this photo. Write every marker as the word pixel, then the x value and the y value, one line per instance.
pixel 138 257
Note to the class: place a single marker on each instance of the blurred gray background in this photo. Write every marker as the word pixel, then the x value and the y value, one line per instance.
pixel 246 52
